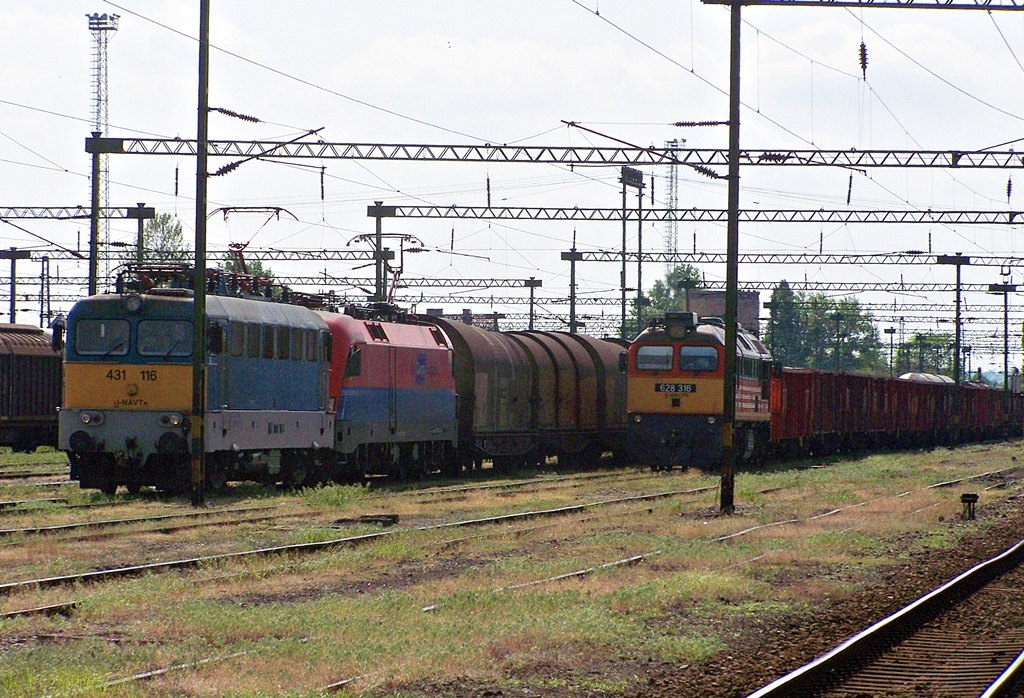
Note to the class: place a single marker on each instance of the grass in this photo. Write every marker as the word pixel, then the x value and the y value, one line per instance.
pixel 310 620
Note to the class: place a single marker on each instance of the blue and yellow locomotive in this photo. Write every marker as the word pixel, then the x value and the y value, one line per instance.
pixel 675 375
pixel 127 406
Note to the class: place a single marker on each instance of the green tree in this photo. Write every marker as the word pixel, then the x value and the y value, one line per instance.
pixel 670 294
pixel 252 266
pixel 817 332
pixel 926 352
pixel 164 242
pixel 784 326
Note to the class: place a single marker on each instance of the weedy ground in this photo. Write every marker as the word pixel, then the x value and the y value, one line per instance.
pixel 660 590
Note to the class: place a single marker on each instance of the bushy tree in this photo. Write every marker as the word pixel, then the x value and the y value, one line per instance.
pixel 925 352
pixel 815 331
pixel 163 241
pixel 670 294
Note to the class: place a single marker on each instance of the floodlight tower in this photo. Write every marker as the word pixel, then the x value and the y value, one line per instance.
pixel 672 232
pixel 102 27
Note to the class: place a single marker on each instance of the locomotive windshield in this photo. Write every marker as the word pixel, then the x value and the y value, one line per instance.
pixel 654 357
pixel 165 338
pixel 101 337
pixel 698 359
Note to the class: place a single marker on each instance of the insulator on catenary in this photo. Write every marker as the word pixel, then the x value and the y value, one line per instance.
pixel 227 168
pixel 228 112
pixel 707 171
pixel 864 60
pixel 701 123
pixel 1009 188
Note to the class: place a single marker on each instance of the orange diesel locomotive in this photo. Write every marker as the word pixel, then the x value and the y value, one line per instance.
pixel 675 394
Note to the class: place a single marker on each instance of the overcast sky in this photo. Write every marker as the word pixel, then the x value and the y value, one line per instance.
pixel 466 72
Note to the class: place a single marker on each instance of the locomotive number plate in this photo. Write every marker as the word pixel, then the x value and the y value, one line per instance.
pixel 675 388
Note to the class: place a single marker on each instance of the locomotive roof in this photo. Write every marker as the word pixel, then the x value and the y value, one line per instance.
pixel 706 333
pixel 266 312
pixel 397 334
pixel 217 307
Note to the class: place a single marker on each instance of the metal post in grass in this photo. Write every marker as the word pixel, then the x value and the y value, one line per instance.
pixel 727 505
pixel 142 213
pixel 198 470
pixel 572 256
pixel 532 284
pixel 1005 290
pixel 14 255
pixel 891 331
pixel 379 211
pixel 630 177
pixel 957 260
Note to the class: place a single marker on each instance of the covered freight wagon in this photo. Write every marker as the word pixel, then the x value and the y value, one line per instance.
pixel 30 388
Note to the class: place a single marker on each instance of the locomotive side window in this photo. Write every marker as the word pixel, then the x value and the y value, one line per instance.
pixel 102 337
pixel 654 357
pixel 311 345
pixel 298 348
pixel 252 340
pixel 237 339
pixel 326 346
pixel 268 342
pixel 698 359
pixel 354 362
pixel 284 340
pixel 165 338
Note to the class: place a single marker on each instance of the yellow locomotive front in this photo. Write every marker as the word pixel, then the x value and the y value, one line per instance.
pixel 675 376
pixel 128 389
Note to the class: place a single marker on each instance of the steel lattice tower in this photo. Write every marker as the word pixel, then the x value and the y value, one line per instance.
pixel 672 230
pixel 102 27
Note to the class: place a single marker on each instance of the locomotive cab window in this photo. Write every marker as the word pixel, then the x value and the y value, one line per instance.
pixel 698 359
pixel 654 357
pixel 102 337
pixel 165 338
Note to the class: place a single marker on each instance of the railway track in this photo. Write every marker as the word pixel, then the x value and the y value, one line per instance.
pixel 193 562
pixel 965 638
pixel 107 523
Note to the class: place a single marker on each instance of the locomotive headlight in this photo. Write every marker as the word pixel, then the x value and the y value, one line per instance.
pixel 636 418
pixel 171 419
pixel 133 303
pixel 93 418
pixel 711 420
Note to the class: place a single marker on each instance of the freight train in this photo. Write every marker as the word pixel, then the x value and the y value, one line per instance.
pixel 30 385
pixel 297 395
pixel 675 398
